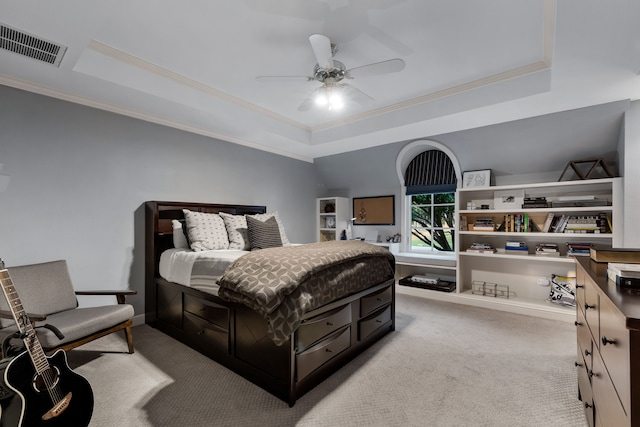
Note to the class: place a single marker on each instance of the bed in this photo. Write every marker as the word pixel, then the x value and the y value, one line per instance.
pixel 285 329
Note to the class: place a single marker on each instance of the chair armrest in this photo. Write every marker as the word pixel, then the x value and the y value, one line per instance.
pixel 120 295
pixel 32 316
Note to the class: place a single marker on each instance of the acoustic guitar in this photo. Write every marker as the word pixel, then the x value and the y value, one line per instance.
pixel 51 394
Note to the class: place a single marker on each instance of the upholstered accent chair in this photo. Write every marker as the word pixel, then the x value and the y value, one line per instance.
pixel 48 298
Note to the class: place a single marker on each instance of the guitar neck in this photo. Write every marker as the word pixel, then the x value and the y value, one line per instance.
pixel 27 332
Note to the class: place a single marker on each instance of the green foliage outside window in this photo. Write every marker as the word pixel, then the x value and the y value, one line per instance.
pixel 433 222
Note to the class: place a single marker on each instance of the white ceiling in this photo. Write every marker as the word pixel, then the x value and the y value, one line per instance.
pixel 192 64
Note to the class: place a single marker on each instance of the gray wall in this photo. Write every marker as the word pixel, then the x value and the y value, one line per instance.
pixel 523 151
pixel 631 238
pixel 79 177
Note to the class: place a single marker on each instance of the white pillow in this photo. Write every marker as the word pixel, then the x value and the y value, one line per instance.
pixel 179 239
pixel 237 230
pixel 206 231
pixel 263 217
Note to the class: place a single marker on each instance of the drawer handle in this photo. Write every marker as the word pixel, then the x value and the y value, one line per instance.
pixel 587 306
pixel 588 405
pixel 606 341
pixel 328 350
pixel 578 365
pixel 587 353
pixel 329 324
pixel 577 323
pixel 579 286
pixel 590 373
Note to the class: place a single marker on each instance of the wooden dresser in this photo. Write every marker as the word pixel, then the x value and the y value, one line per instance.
pixel 608 334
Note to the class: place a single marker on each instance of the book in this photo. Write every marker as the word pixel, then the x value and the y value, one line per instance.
pixel 624 269
pixel 627 282
pixel 547 223
pixel 624 255
pixel 547 249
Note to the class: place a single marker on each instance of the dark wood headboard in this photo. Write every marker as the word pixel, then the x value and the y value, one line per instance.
pixel 159 235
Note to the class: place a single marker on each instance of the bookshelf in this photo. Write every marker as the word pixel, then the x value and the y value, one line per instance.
pixel 522 270
pixel 332 216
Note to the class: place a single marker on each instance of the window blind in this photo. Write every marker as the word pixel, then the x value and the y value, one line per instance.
pixel 430 172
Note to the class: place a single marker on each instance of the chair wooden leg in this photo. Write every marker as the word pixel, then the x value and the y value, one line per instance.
pixel 129 335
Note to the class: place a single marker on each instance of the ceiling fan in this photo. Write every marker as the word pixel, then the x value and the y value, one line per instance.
pixel 331 74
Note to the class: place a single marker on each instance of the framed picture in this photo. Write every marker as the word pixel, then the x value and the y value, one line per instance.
pixel 374 210
pixel 508 199
pixel 476 179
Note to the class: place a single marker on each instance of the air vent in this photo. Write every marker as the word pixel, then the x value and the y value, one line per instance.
pixel 26 44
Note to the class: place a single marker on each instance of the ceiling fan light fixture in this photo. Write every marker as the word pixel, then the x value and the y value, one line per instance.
pixel 329 97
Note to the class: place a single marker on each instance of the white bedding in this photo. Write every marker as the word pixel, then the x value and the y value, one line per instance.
pixel 177 265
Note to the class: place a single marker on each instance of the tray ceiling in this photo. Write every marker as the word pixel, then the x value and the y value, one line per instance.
pixel 193 64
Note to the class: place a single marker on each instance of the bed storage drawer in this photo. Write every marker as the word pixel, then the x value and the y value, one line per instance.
pixel 206 334
pixel 317 355
pixel 311 330
pixel 210 311
pixel 374 301
pixel 369 325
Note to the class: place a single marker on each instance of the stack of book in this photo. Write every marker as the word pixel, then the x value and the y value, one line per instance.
pixel 625 275
pixel 577 224
pixel 518 248
pixel 547 249
pixel 578 201
pixel 535 203
pixel 484 224
pixel 579 249
pixel 481 248
pixel 587 224
pixel 517 223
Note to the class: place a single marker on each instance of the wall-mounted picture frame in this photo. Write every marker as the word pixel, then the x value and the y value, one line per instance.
pixel 476 179
pixel 508 199
pixel 379 210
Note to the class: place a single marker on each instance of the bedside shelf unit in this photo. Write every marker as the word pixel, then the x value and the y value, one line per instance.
pixel 331 221
pixel 521 271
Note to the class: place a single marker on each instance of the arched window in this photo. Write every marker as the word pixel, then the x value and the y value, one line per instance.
pixel 429 174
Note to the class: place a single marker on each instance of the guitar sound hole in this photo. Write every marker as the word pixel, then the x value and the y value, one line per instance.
pixel 47 380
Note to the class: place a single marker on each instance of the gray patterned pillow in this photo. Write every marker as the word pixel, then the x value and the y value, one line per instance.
pixel 237 230
pixel 205 231
pixel 263 234
pixel 262 217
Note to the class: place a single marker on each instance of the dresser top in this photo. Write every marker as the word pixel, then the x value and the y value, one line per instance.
pixel 626 299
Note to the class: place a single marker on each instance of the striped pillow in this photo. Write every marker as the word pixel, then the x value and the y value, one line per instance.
pixel 263 234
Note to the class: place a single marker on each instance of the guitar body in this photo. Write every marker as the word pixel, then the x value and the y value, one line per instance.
pixel 21 377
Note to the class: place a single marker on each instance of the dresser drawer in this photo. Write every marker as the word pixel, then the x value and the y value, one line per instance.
pixel 614 349
pixel 580 288
pixel 607 404
pixel 592 309
pixel 584 386
pixel 372 323
pixel 206 334
pixel 585 342
pixel 374 301
pixel 314 357
pixel 210 311
pixel 311 330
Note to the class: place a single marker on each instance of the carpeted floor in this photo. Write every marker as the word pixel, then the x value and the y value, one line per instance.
pixel 445 365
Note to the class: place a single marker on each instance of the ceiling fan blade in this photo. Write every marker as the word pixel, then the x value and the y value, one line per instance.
pixel 377 68
pixel 309 101
pixel 352 93
pixel 321 46
pixel 269 79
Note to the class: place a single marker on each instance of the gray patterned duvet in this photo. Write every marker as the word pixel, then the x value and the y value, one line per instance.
pixel 282 284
